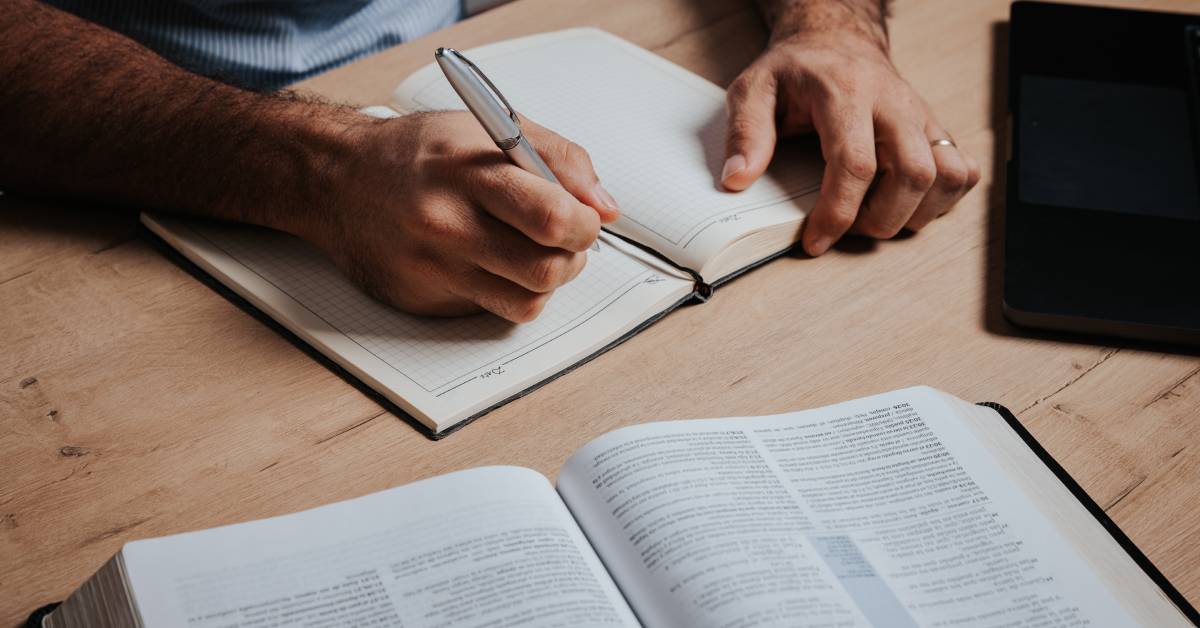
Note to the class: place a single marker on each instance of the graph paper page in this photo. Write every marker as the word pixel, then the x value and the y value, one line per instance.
pixel 655 133
pixel 442 369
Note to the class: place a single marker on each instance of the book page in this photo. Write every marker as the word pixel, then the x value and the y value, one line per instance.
pixel 1145 600
pixel 655 132
pixel 440 370
pixel 492 546
pixel 885 511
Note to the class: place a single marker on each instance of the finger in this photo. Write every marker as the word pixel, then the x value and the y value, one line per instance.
pixel 573 167
pixel 501 296
pixel 848 145
pixel 906 174
pixel 541 210
pixel 505 252
pixel 973 171
pixel 953 175
pixel 750 130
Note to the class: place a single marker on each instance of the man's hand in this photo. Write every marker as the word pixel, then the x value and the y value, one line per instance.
pixel 423 210
pixel 827 69
pixel 427 214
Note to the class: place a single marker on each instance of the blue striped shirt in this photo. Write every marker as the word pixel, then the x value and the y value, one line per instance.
pixel 266 45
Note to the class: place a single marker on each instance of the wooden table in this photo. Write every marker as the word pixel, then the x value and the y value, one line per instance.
pixel 135 402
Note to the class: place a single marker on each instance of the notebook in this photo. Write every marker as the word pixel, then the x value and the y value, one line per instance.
pixel 655 133
pixel 906 509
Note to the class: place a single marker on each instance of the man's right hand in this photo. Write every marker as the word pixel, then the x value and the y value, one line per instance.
pixel 426 213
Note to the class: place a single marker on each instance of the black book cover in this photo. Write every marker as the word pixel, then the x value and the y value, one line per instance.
pixel 1092 507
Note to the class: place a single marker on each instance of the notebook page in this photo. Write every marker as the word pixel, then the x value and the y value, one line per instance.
pixel 655 133
pixel 441 370
pixel 489 546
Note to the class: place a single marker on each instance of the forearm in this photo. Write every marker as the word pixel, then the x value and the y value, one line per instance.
pixel 86 112
pixel 787 18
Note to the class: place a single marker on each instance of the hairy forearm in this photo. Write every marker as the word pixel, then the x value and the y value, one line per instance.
pixel 787 18
pixel 88 113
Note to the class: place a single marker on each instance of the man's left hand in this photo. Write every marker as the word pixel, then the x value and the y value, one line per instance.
pixel 827 69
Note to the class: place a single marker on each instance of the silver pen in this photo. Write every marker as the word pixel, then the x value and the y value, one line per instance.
pixel 495 115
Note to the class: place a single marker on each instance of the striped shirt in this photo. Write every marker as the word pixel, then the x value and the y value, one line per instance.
pixel 266 45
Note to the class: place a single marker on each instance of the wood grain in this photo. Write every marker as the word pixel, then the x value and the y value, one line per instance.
pixel 136 402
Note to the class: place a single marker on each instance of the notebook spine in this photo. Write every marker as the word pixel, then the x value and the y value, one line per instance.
pixel 701 292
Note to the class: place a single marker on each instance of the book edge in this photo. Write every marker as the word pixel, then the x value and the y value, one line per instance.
pixel 1131 549
pixel 114 606
pixel 197 272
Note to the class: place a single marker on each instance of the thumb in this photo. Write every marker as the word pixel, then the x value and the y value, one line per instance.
pixel 750 133
pixel 573 167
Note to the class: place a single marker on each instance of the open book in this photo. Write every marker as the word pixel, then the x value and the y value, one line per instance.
pixel 656 136
pixel 911 508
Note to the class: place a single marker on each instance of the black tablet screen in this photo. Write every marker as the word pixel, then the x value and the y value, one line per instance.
pixel 1103 145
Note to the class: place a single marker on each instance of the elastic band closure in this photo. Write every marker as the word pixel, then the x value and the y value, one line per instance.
pixel 700 289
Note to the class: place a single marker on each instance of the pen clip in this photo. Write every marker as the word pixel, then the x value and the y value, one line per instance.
pixel 512 113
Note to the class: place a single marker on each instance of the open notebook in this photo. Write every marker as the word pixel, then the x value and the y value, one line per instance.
pixel 902 510
pixel 656 136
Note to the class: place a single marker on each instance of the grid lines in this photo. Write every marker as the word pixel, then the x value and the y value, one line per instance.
pixel 431 352
pixel 656 141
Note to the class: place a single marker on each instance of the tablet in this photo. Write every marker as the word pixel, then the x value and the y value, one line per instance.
pixel 1102 222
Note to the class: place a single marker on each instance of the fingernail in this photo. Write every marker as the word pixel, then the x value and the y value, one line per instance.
pixel 606 199
pixel 733 165
pixel 820 246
